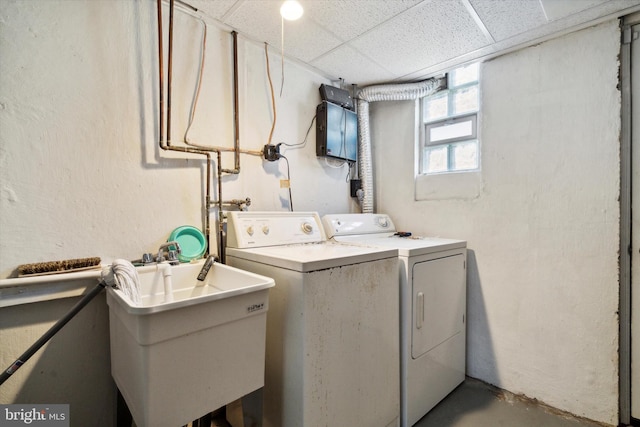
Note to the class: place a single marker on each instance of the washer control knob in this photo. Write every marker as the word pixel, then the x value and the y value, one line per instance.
pixel 250 230
pixel 265 230
pixel 307 228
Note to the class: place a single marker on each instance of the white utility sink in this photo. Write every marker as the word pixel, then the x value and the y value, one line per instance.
pixel 221 282
pixel 181 354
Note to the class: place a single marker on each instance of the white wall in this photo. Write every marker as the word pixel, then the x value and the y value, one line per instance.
pixel 543 230
pixel 81 173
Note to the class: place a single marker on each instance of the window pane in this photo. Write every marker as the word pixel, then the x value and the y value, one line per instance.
pixel 465 155
pixel 463 75
pixel 436 107
pixel 465 100
pixel 436 159
pixel 451 131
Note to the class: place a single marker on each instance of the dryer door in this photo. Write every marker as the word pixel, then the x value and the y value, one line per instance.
pixel 439 301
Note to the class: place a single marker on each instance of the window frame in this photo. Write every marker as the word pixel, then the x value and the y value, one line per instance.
pixel 473 118
pixel 425 143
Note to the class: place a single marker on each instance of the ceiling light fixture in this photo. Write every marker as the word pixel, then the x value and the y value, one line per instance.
pixel 291 10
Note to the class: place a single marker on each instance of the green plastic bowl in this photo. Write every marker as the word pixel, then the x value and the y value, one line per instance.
pixel 193 243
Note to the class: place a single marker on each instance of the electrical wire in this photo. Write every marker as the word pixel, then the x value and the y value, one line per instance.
pixel 289 181
pixel 302 144
pixel 281 54
pixel 199 85
pixel 335 163
pixel 273 98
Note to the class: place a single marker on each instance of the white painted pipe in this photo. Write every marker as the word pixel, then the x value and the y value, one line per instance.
pixel 168 284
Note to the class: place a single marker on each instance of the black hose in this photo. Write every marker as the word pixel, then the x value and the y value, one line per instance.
pixel 50 333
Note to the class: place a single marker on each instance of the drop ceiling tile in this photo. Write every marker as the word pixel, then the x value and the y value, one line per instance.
pixel 556 9
pixel 260 20
pixel 306 41
pixel 216 9
pixel 427 34
pixel 507 18
pixel 375 41
pixel 354 68
pixel 348 19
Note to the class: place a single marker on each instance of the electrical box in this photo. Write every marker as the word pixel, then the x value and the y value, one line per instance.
pixel 336 96
pixel 336 132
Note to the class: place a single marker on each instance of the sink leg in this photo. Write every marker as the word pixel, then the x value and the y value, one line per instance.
pixel 123 415
pixel 235 416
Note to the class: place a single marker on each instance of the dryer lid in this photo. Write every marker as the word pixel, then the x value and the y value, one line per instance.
pixel 336 225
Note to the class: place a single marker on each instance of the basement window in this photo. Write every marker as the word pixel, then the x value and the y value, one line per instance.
pixel 449 135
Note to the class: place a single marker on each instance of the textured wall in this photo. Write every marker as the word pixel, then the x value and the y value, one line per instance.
pixel 543 227
pixel 81 173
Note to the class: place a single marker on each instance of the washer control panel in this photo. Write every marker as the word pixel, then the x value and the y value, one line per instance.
pixel 258 229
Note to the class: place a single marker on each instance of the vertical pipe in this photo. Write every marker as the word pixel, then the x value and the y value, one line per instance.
pixel 625 309
pixel 236 118
pixel 170 72
pixel 161 74
pixel 207 201
pixel 167 145
pixel 221 253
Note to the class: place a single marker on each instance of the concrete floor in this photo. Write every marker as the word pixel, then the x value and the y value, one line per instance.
pixel 476 404
pixel 472 404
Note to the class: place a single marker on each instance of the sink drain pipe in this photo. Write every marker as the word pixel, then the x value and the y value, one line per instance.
pixel 392 92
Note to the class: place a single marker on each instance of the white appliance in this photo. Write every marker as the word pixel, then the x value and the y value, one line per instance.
pixel 332 354
pixel 432 307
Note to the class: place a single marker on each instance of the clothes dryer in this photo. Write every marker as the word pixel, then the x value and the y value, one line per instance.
pixel 432 307
pixel 332 348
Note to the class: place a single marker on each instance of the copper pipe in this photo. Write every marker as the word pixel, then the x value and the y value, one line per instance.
pixel 236 118
pixel 237 202
pixel 215 149
pixel 164 143
pixel 170 72
pixel 161 77
pixel 165 138
pixel 207 225
pixel 195 9
pixel 221 246
pixel 236 114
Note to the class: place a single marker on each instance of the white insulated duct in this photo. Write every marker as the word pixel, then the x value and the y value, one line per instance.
pixel 392 92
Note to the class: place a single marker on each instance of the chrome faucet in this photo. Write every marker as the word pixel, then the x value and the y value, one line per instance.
pixel 206 267
pixel 171 253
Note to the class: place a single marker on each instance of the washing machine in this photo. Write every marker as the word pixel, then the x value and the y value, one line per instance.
pixel 332 347
pixel 432 307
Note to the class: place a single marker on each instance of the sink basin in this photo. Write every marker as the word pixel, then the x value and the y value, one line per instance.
pixel 189 347
pixel 221 282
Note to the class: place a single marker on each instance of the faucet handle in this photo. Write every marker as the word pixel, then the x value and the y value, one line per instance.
pixel 206 267
pixel 172 257
pixel 174 246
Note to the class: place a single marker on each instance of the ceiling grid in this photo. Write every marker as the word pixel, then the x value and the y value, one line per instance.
pixel 381 41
